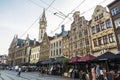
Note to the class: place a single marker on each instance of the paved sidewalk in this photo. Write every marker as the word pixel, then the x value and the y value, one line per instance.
pixel 11 75
pixel 47 75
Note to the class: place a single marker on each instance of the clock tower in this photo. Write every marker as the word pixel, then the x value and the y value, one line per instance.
pixel 42 26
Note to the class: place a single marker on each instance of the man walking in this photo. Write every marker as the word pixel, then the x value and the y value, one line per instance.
pixel 19 71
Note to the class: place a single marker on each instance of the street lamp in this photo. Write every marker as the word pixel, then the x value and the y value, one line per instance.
pixel 62 15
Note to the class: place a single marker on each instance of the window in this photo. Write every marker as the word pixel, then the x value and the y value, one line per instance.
pixel 105 39
pixel 51 53
pixel 85 32
pixel 57 52
pixel 97 10
pixel 81 44
pixel 74 29
pixel 115 11
pixel 95 42
pixel 100 41
pixel 111 38
pixel 117 23
pixel 80 25
pixel 97 28
pixel 75 37
pixel 93 30
pixel 54 45
pixel 41 31
pixel 80 34
pixel 102 25
pixel 108 23
pixel 60 43
pixel 96 18
pixel 60 51
pixel 54 52
pixel 75 46
pixel 101 16
pixel 118 38
pixel 86 41
pixel 51 46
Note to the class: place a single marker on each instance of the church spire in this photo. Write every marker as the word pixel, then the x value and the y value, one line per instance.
pixel 42 26
pixel 43 18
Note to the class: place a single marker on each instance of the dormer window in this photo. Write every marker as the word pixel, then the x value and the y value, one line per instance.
pixel 97 10
pixel 80 25
pixel 96 18
pixel 101 16
pixel 115 11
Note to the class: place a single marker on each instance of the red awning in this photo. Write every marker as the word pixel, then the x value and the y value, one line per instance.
pixel 86 58
pixel 74 59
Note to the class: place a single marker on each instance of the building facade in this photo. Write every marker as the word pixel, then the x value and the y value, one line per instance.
pixel 102 32
pixel 3 59
pixel 114 8
pixel 45 48
pixel 19 51
pixel 56 45
pixel 66 46
pixel 12 50
pixel 35 51
pixel 79 36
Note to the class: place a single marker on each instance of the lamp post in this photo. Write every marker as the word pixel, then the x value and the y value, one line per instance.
pixel 62 15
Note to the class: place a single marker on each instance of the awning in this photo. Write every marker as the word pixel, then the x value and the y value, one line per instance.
pixel 86 58
pixel 58 59
pixel 25 64
pixel 3 64
pixel 51 60
pixel 118 56
pixel 74 59
pixel 38 63
pixel 45 62
pixel 106 56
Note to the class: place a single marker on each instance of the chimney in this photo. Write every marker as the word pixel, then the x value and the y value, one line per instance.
pixel 56 35
pixel 34 41
pixel 62 27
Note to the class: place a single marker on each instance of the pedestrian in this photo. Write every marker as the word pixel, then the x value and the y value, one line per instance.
pixel 99 72
pixel 19 71
pixel 93 72
pixel 73 74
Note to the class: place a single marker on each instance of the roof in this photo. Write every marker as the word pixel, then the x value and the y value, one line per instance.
pixel 50 38
pixel 115 1
pixel 20 42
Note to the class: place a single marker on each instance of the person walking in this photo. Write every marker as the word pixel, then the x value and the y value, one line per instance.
pixel 99 72
pixel 19 71
pixel 93 72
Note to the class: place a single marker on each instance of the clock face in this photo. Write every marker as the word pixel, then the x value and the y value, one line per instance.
pixel 42 25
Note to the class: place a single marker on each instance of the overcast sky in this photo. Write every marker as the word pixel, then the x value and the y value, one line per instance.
pixel 17 16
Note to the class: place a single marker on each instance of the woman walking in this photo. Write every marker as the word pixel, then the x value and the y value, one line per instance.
pixel 93 73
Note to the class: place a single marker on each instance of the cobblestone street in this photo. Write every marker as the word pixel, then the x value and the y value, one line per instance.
pixel 11 75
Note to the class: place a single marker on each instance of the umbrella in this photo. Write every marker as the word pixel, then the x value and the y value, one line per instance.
pixel 74 59
pixel 58 59
pixel 38 63
pixel 51 60
pixel 106 56
pixel 45 62
pixel 118 55
pixel 86 58
pixel 25 64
